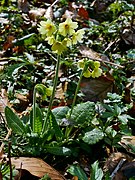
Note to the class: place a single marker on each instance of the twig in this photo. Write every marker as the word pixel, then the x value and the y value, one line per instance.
pixel 117 168
pixel 9 157
pixel 103 61
pixel 54 3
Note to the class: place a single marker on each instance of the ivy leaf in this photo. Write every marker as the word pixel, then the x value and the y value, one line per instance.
pixel 124 118
pixel 97 173
pixel 77 171
pixel 92 137
pixel 83 112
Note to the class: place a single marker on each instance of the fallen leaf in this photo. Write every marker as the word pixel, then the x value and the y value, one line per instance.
pixel 96 89
pixel 90 53
pixel 36 167
pixel 49 13
pixel 23 5
pixel 128 142
pixel 83 13
pixel 3 102
pixel 34 14
pixel 8 43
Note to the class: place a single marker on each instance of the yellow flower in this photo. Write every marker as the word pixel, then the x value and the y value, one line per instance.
pixel 67 27
pixel 96 64
pixel 87 73
pixel 58 47
pixel 50 40
pixel 47 28
pixel 96 72
pixel 81 64
pixel 49 91
pixel 77 36
pixel 67 42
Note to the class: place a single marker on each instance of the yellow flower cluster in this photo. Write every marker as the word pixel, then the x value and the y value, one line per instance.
pixel 62 36
pixel 92 68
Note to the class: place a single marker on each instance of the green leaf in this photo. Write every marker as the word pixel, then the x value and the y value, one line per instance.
pixel 55 126
pixel 97 173
pixel 92 137
pixel 60 113
pixel 14 122
pixel 83 112
pixel 77 171
pixel 59 151
pixel 38 122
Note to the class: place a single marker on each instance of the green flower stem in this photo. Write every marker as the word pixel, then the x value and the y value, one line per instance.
pixel 34 109
pixel 53 93
pixel 77 89
pixel 69 129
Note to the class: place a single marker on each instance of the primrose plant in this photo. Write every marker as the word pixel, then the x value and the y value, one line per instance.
pixel 60 38
pixel 43 125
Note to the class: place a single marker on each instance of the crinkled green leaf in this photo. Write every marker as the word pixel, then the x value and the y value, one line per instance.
pixel 60 113
pixel 14 122
pixel 82 113
pixel 92 137
pixel 77 171
pixel 96 173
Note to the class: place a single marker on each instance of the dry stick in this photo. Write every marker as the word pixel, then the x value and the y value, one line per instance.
pixel 111 43
pixel 9 157
pixel 54 3
pixel 108 62
pixel 117 168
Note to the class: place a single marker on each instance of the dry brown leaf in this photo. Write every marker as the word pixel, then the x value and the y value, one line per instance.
pixel 36 167
pixel 3 101
pixel 96 89
pixel 8 43
pixel 126 141
pixel 23 5
pixel 49 13
pixel 34 14
pixel 90 53
pixel 61 89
